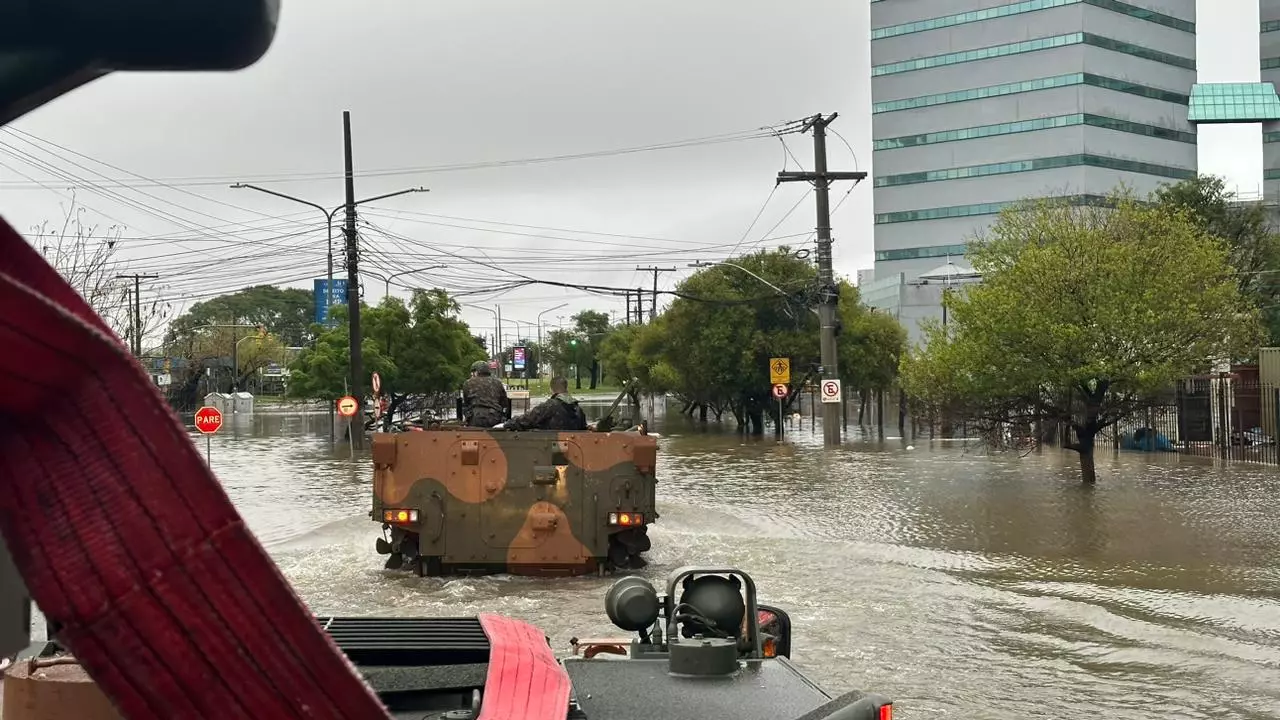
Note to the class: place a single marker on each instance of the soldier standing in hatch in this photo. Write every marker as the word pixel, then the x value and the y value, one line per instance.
pixel 483 397
pixel 558 412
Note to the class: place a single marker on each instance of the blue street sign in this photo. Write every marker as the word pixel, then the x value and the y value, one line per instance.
pixel 338 296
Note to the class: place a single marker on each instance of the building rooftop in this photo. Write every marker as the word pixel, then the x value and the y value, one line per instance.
pixel 1218 103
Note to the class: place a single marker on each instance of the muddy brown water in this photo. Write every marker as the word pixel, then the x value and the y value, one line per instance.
pixel 960 584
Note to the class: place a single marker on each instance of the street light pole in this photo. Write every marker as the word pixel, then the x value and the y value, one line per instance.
pixel 701 264
pixel 540 350
pixel 328 218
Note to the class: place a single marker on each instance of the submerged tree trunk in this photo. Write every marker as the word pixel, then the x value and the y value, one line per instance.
pixel 1088 469
pixel 702 413
pixel 756 416
pixel 1085 437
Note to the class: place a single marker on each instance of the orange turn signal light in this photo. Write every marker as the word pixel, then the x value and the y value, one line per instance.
pixel 626 519
pixel 400 515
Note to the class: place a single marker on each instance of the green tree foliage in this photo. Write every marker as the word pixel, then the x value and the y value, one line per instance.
pixel 1253 246
pixel 713 344
pixel 1083 317
pixel 286 313
pixel 419 349
pixel 578 347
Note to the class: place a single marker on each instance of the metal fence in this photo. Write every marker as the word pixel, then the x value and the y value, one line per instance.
pixel 1226 418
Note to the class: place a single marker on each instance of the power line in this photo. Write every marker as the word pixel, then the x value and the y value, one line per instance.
pixel 785 128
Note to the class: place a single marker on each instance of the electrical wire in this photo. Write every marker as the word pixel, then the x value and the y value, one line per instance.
pixel 768 131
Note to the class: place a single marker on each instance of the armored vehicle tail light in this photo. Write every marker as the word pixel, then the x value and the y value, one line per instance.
pixel 626 519
pixel 399 515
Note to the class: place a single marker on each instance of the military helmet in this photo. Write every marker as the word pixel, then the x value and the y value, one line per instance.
pixel 479 366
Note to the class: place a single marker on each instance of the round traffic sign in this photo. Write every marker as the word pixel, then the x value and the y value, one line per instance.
pixel 377 383
pixel 347 406
pixel 208 420
pixel 779 391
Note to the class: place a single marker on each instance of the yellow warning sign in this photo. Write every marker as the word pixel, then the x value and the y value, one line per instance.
pixel 779 371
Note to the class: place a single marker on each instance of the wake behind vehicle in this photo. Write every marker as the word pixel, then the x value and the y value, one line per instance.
pixel 456 500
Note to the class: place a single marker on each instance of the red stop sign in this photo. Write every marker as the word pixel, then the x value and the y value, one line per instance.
pixel 208 420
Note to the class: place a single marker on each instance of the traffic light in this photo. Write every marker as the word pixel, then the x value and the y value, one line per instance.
pixel 573 342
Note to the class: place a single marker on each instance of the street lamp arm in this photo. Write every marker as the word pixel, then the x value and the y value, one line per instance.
pixel 375 198
pixel 281 195
pixel 779 290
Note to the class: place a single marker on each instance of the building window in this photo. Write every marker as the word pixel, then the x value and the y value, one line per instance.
pixel 1033 46
pixel 1271 174
pixel 1233 103
pixel 922 252
pixel 1267 25
pixel 1270 137
pixel 1270 63
pixel 1047 83
pixel 1027 6
pixel 1046 163
pixel 1022 126
pixel 961 211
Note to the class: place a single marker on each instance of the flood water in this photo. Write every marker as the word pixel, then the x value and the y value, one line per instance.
pixel 962 585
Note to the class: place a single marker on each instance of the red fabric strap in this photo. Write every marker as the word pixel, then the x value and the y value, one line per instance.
pixel 525 682
pixel 127 539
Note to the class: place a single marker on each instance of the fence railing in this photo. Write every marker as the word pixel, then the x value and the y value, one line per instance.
pixel 1226 418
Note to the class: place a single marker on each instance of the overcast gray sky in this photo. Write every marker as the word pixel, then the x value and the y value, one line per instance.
pixel 436 85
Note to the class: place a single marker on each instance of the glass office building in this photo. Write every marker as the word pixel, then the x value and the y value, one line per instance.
pixel 980 103
pixel 1269 51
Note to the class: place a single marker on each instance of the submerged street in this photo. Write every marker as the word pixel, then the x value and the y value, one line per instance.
pixel 960 584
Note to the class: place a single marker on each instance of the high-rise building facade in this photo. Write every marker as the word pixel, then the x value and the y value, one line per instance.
pixel 1269 51
pixel 980 103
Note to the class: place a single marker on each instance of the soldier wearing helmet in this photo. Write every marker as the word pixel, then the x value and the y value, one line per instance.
pixel 558 412
pixel 483 397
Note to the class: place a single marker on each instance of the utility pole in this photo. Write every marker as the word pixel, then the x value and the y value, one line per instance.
pixel 828 291
pixel 353 288
pixel 628 307
pixel 653 312
pixel 135 319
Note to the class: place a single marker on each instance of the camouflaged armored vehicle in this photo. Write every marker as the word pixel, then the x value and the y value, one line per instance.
pixel 457 500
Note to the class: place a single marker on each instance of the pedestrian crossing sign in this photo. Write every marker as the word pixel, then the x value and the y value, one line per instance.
pixel 779 370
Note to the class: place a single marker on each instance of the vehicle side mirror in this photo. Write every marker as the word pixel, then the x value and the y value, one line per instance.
pixel 775 631
pixel 144 34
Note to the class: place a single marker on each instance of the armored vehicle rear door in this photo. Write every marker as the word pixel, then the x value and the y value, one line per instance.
pixel 537 515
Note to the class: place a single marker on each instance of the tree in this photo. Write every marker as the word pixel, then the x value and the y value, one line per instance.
pixel 420 349
pixel 287 313
pixel 85 256
pixel 1084 315
pixel 590 329
pixel 1253 246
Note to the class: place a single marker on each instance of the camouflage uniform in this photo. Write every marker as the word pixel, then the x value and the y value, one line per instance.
pixel 483 400
pixel 558 412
